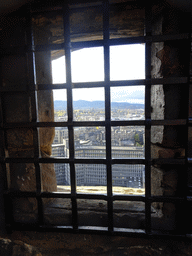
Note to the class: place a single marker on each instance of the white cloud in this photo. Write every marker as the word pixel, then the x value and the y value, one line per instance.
pixel 127 63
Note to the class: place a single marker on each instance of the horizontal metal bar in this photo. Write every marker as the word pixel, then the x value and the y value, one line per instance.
pixel 151 199
pixel 129 123
pixel 86 44
pixel 17 193
pixel 161 161
pixel 94 123
pixel 152 81
pixel 55 195
pixel 169 199
pixel 132 198
pixel 23 194
pixel 89 123
pixel 49 47
pixel 92 196
pixel 90 161
pixel 76 6
pixel 74 85
pixel 34 125
pixel 95 43
pixel 169 122
pixel 163 38
pixel 79 6
pixel 151 122
pixel 112 161
pixel 89 85
pixel 76 161
pixel 144 39
pixel 52 124
pixel 51 86
pixel 128 161
pixel 97 231
pixel 135 82
pixel 32 160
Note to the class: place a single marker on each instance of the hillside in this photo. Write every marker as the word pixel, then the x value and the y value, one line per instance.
pixel 82 104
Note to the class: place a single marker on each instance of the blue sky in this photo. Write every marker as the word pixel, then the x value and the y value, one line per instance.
pixel 127 62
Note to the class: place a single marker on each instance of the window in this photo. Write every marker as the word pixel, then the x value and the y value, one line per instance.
pixel 58 31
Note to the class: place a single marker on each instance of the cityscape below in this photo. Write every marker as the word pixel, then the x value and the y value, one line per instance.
pixel 127 142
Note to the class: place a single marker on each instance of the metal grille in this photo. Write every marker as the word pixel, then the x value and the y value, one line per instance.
pixel 148 199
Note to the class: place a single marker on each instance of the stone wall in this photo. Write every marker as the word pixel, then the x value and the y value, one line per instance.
pixel 17 106
pixel 168 102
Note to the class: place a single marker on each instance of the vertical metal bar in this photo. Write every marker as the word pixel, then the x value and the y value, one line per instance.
pixel 34 113
pixel 148 26
pixel 66 17
pixel 108 110
pixel 6 210
pixel 186 209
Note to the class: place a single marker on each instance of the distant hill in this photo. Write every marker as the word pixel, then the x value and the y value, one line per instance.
pixel 83 104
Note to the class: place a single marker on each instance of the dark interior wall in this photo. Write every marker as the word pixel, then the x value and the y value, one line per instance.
pixel 170 60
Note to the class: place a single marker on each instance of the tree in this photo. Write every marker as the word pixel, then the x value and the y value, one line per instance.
pixel 137 140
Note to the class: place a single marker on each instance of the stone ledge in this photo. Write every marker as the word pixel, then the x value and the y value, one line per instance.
pixel 17 248
pixel 103 190
pixel 127 214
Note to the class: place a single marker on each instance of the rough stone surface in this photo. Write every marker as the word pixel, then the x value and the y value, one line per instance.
pixel 46 114
pixel 156 181
pixel 164 182
pixel 20 141
pixel 17 248
pixel 167 102
pixel 45 100
pixel 24 178
pixel 157 92
pixel 61 244
pixel 87 25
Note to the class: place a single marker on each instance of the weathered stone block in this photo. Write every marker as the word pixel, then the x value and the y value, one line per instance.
pixel 23 178
pixel 46 114
pixel 14 110
pixel 19 140
pixel 156 181
pixel 17 248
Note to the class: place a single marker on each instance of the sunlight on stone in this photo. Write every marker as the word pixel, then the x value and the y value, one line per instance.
pixel 102 190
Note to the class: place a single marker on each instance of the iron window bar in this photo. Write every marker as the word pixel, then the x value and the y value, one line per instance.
pixel 33 95
pixel 158 161
pixel 148 27
pixel 110 198
pixel 133 198
pixel 95 43
pixel 177 122
pixel 107 111
pixel 142 82
pixel 70 113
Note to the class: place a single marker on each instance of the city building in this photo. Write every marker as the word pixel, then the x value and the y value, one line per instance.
pixel 95 174
pixel 61 170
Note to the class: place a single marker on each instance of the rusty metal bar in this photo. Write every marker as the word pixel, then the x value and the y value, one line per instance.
pixel 148 26
pixel 107 110
pixel 33 95
pixel 66 20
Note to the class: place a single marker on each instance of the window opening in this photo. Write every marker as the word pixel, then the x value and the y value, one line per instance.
pixel 127 103
pixel 72 149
